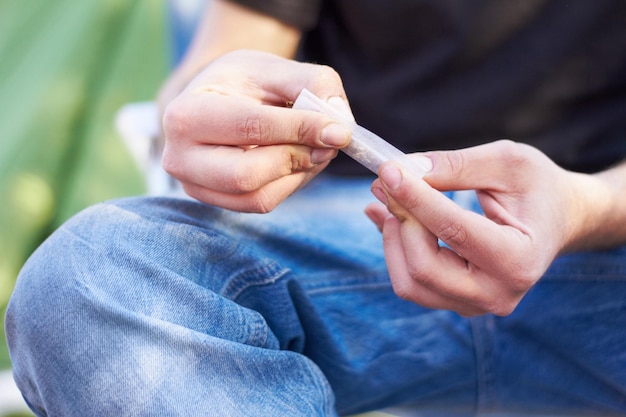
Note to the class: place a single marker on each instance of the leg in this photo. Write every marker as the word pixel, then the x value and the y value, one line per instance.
pixel 169 307
pixel 561 352
pixel 563 349
pixel 130 321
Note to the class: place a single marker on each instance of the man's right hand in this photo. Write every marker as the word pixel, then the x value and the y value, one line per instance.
pixel 232 141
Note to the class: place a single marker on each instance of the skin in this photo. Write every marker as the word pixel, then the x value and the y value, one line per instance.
pixel 231 142
pixel 534 211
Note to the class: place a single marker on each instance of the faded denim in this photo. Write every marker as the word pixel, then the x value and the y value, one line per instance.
pixel 167 307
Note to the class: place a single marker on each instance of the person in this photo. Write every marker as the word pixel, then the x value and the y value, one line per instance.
pixel 270 293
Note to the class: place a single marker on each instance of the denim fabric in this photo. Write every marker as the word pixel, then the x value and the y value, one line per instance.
pixel 168 307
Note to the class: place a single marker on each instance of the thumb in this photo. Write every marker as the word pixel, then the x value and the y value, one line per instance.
pixel 479 167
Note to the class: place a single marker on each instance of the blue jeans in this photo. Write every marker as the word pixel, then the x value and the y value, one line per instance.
pixel 164 306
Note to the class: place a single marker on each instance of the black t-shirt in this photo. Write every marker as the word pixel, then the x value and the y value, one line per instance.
pixel 447 74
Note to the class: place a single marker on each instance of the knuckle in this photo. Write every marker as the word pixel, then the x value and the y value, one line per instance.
pixel 296 164
pixel 262 203
pixel 170 162
pixel 190 190
pixel 176 122
pixel 403 203
pixel 508 146
pixel 243 179
pixel 505 303
pixel 496 304
pixel 454 234
pixel 515 155
pixel 327 75
pixel 471 310
pixel 307 132
pixel 455 162
pixel 523 278
pixel 503 309
pixel 296 161
pixel 522 273
pixel 521 281
pixel 403 291
pixel 252 130
pixel 325 79
pixel 417 274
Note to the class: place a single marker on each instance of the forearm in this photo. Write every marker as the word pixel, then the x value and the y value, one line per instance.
pixel 225 27
pixel 599 207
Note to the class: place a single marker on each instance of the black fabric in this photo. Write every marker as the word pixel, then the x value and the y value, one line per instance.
pixel 300 14
pixel 447 74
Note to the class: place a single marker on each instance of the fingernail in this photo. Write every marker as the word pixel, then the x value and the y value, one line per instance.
pixel 417 164
pixel 391 176
pixel 335 135
pixel 423 163
pixel 321 155
pixel 380 195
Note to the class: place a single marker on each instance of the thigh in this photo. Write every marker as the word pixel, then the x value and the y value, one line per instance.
pixel 563 348
pixel 230 313
pixel 374 348
pixel 131 309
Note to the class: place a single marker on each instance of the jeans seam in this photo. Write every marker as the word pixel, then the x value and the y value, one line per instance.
pixel 483 336
pixel 263 275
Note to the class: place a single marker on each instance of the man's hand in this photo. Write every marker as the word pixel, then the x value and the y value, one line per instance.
pixel 231 140
pixel 533 210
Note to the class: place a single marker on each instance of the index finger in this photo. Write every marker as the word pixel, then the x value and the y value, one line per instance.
pixel 478 239
pixel 213 118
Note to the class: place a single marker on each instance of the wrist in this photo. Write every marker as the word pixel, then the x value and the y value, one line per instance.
pixel 597 210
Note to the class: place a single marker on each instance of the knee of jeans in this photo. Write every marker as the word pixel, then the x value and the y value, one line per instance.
pixel 111 250
pixel 61 291
pixel 52 281
pixel 33 320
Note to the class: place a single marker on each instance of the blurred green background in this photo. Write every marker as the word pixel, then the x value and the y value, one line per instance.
pixel 66 67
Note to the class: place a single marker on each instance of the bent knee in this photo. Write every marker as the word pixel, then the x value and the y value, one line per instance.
pixel 82 248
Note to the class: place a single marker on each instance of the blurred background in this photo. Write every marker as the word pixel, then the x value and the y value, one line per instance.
pixel 66 68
